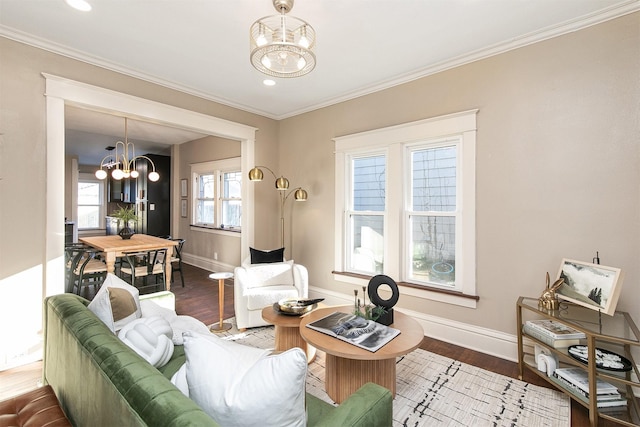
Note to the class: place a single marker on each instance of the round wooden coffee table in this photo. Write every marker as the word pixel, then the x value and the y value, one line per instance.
pixel 287 332
pixel 349 367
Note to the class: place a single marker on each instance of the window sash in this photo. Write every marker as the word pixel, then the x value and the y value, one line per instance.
pixel 90 205
pixel 365 219
pixel 204 211
pixel 432 218
pixel 365 252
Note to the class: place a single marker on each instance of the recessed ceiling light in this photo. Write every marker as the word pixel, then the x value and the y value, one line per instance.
pixel 269 82
pixel 82 5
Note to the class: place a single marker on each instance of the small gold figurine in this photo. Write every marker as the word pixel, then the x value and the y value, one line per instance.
pixel 549 300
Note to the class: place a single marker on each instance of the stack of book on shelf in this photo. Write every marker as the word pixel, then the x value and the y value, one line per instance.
pixel 552 333
pixel 576 381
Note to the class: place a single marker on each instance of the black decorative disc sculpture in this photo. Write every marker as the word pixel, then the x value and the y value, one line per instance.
pixel 377 300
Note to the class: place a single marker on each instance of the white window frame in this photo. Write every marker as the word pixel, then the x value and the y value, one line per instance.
pixel 216 168
pixel 395 140
pixel 87 177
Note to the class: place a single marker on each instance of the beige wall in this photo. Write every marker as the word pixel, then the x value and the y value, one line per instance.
pixel 557 165
pixel 558 156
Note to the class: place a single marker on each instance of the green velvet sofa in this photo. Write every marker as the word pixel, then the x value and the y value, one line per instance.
pixel 102 382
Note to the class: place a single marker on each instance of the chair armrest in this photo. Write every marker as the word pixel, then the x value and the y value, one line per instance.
pixel 370 406
pixel 240 279
pixel 301 279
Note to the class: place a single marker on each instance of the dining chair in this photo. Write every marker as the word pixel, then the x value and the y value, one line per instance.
pixel 144 265
pixel 84 268
pixel 177 258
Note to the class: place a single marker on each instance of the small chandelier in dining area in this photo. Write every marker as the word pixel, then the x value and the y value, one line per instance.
pixel 282 45
pixel 124 161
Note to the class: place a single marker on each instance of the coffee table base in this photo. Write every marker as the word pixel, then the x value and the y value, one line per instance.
pixel 344 376
pixel 287 338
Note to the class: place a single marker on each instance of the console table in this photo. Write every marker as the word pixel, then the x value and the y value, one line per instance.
pixel 617 332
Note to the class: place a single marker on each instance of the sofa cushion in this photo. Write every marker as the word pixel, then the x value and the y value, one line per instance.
pixel 239 385
pixel 150 338
pixel 263 257
pixel 274 274
pixel 257 299
pixel 116 308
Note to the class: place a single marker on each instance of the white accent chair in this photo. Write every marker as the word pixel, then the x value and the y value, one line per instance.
pixel 257 286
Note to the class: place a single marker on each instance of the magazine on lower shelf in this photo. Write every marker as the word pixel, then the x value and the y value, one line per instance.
pixel 602 404
pixel 366 334
pixel 577 380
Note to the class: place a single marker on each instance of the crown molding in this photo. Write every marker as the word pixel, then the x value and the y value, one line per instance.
pixel 607 14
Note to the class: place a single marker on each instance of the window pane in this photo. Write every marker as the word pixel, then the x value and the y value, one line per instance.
pixel 206 187
pixel 433 249
pixel 204 212
pixel 88 193
pixel 231 213
pixel 88 216
pixel 369 183
pixel 367 249
pixel 232 185
pixel 434 179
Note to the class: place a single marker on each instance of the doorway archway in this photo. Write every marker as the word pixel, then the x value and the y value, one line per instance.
pixel 61 91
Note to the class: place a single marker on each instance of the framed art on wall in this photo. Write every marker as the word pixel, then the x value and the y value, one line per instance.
pixel 593 286
pixel 184 192
pixel 183 208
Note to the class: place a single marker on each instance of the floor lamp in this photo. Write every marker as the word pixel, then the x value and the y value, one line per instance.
pixel 282 186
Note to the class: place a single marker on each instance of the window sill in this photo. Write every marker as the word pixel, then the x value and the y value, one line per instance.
pixel 216 230
pixel 412 289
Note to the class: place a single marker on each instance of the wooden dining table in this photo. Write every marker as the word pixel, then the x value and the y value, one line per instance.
pixel 115 246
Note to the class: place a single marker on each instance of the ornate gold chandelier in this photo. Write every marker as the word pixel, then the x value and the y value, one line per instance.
pixel 125 156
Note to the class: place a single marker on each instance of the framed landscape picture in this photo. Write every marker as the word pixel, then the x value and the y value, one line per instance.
pixel 591 285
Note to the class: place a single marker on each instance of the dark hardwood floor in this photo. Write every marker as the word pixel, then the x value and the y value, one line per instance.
pixel 199 299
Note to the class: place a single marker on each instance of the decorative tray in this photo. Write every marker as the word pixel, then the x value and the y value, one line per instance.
pixel 605 359
pixel 276 308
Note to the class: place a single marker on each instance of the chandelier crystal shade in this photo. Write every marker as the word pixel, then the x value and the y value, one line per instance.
pixel 282 45
pixel 124 161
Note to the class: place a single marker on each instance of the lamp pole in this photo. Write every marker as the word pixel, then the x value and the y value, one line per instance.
pixel 282 185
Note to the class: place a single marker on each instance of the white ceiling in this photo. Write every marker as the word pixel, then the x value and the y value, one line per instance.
pixel 202 46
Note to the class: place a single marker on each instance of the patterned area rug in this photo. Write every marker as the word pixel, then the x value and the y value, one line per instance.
pixel 433 390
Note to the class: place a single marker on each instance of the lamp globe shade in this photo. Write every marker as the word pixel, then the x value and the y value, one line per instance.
pixel 117 174
pixel 154 176
pixel 101 174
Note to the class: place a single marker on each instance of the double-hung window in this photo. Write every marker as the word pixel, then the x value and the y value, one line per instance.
pixel 216 200
pixel 405 207
pixel 90 202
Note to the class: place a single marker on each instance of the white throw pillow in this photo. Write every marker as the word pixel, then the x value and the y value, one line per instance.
pixel 239 385
pixel 116 308
pixel 150 337
pixel 182 324
pixel 272 274
pixel 152 308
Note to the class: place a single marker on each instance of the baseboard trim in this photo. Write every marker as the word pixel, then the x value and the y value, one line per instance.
pixel 488 341
pixel 206 263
